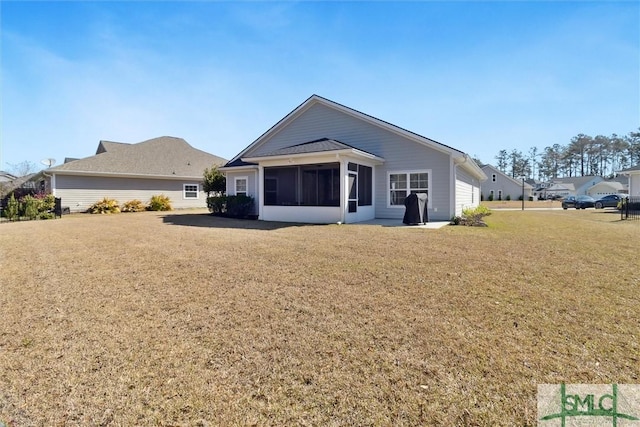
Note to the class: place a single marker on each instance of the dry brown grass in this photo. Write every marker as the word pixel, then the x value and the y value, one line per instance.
pixel 517 204
pixel 186 319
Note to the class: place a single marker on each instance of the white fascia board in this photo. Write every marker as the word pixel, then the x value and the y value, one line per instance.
pixel 238 168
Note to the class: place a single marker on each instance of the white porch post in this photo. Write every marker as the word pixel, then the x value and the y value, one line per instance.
pixel 260 191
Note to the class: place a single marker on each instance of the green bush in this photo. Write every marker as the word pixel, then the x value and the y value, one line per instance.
pixel 47 203
pixel 508 197
pixel 133 206
pixel 12 211
pixel 105 206
pixel 490 198
pixel 217 204
pixel 472 216
pixel 233 206
pixel 160 203
pixel 29 206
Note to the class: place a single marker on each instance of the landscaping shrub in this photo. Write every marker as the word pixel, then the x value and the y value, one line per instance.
pixel 216 204
pixel 13 208
pixel 160 203
pixel 105 206
pixel 472 216
pixel 508 198
pixel 490 198
pixel 29 206
pixel 233 206
pixel 46 205
pixel 133 206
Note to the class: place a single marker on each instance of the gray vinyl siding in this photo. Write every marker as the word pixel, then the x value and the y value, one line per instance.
pixel 251 185
pixel 503 183
pixel 400 154
pixel 79 192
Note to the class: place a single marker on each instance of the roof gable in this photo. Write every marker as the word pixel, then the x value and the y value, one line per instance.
pixel 489 169
pixel 255 149
pixel 163 156
pixel 316 99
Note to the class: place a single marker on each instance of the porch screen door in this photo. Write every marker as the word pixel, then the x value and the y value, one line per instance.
pixel 353 192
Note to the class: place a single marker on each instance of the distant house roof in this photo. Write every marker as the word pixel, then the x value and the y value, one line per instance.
pixel 577 181
pixel 635 169
pixel 164 156
pixel 561 186
pixel 6 176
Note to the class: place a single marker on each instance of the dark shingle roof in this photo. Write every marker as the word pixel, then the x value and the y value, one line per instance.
pixel 635 168
pixel 164 156
pixel 316 146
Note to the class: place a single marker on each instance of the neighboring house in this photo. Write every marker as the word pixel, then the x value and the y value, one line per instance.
pixel 325 162
pixel 604 188
pixel 6 177
pixel 125 172
pixel 634 179
pixel 500 186
pixel 27 184
pixel 557 189
pixel 580 184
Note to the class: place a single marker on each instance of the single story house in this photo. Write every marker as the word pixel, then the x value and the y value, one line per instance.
pixel 124 172
pixel 500 186
pixel 634 179
pixel 576 186
pixel 325 163
pixel 604 188
pixel 560 189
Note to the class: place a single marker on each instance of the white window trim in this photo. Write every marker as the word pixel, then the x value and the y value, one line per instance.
pixel 184 191
pixel 407 172
pixel 235 184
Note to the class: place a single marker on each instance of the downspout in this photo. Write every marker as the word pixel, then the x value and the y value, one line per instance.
pixel 53 180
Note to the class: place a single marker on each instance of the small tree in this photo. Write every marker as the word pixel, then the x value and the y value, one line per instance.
pixel 13 208
pixel 214 181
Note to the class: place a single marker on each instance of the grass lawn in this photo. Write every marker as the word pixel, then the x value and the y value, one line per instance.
pixel 185 319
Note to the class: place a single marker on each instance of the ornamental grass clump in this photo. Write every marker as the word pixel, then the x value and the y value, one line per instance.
pixel 105 206
pixel 472 217
pixel 160 203
pixel 133 206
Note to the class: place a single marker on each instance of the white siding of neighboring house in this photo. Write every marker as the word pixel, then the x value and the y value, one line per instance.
pixel 80 192
pixel 400 154
pixel 603 188
pixel 634 185
pixel 467 192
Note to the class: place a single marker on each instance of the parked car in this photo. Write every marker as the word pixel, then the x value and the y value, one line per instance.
pixel 608 201
pixel 569 202
pixel 578 202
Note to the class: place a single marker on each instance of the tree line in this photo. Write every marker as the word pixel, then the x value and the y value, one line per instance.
pixel 583 156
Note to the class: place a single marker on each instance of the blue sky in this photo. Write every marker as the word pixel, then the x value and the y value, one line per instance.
pixel 477 76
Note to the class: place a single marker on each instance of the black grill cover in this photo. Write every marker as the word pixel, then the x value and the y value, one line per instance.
pixel 416 209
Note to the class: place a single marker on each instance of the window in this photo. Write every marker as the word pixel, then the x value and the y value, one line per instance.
pixel 306 185
pixel 190 191
pixel 493 177
pixel 241 185
pixel 401 184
